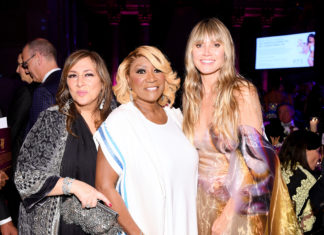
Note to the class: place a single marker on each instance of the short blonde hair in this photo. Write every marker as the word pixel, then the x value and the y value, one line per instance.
pixel 160 62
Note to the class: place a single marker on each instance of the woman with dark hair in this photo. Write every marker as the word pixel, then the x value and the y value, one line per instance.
pixel 58 157
pixel 299 155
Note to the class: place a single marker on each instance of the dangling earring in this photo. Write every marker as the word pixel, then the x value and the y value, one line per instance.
pixel 130 94
pixel 102 104
pixel 69 102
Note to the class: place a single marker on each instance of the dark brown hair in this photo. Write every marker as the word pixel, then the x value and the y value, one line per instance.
pixel 293 150
pixel 63 95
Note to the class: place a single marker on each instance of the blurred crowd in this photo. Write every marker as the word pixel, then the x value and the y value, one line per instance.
pixel 293 120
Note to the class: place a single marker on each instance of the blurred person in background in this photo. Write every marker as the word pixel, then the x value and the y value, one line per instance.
pixel 300 154
pixel 39 61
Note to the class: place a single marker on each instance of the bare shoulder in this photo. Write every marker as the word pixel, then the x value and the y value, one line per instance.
pixel 249 106
pixel 246 92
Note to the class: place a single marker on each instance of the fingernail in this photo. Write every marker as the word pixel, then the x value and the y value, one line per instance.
pixel 109 205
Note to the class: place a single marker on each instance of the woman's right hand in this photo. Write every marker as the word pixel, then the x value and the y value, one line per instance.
pixel 3 178
pixel 87 194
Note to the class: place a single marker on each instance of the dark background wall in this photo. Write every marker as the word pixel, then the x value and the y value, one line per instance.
pixel 115 27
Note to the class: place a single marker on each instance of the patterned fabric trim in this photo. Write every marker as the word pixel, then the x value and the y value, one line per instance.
pixel 307 219
pixel 40 159
pixel 286 174
pixel 118 157
pixel 303 190
pixel 301 200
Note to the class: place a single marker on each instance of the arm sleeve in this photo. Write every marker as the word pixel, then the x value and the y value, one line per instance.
pixel 110 148
pixel 38 164
pixel 251 173
pixel 19 111
pixel 250 113
pixel 42 99
pixel 316 194
pixel 4 213
pixel 4 221
pixel 252 169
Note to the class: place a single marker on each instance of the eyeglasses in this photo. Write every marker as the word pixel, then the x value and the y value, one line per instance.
pixel 24 64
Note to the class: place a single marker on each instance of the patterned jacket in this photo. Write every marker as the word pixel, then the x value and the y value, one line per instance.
pixel 37 172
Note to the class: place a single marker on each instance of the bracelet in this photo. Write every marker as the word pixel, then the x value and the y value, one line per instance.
pixel 66 187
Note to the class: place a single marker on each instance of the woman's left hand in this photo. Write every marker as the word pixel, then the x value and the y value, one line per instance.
pixel 87 194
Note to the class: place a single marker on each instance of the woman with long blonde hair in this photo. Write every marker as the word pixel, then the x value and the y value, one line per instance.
pixel 238 169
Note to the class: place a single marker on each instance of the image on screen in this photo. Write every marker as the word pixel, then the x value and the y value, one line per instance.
pixel 285 51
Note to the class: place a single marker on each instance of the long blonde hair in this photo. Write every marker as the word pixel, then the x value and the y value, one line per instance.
pixel 226 114
pixel 159 61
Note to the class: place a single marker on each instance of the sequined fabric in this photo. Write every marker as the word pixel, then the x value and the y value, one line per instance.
pixel 99 220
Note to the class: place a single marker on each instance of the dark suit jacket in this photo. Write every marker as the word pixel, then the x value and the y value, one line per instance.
pixel 18 116
pixel 7 90
pixel 4 213
pixel 17 120
pixel 43 97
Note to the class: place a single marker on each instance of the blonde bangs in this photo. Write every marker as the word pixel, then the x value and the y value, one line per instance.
pixel 225 114
pixel 207 31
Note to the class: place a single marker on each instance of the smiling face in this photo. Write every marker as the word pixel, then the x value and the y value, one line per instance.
pixel 208 56
pixel 146 81
pixel 84 84
pixel 313 157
